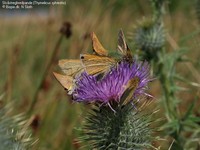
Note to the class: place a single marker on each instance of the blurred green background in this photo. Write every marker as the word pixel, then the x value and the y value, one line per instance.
pixel 31 44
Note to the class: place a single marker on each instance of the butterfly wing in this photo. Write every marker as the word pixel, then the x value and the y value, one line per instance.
pixel 95 64
pixel 122 46
pixel 129 90
pixel 71 67
pixel 97 47
pixel 64 80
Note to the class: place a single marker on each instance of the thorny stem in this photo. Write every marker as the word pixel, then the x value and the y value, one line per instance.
pixel 165 83
pixel 158 10
pixel 169 98
pixel 52 59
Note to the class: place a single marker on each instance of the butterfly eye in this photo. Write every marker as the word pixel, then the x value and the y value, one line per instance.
pixel 82 57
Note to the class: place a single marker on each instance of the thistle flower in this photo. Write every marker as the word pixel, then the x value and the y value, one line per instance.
pixel 113 85
pixel 127 128
pixel 104 81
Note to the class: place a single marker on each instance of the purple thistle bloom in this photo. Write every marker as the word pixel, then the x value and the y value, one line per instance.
pixel 112 86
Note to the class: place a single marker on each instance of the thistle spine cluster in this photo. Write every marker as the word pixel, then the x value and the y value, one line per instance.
pixel 125 129
pixel 14 132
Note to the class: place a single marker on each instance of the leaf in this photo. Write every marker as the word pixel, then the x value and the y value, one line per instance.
pixel 190 109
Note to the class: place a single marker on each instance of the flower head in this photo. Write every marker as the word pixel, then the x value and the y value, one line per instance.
pixel 112 86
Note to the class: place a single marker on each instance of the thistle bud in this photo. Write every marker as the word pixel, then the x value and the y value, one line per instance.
pixel 149 36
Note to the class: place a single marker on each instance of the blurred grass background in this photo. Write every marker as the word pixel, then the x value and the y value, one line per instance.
pixel 28 40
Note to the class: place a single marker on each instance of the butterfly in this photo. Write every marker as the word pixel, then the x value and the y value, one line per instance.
pixel 129 90
pixel 98 63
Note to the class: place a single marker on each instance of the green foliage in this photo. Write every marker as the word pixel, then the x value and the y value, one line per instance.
pixel 184 129
pixel 127 128
pixel 180 127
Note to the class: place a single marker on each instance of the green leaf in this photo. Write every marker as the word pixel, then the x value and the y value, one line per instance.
pixel 190 109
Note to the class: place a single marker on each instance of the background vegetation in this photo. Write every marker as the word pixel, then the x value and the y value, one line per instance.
pixel 31 44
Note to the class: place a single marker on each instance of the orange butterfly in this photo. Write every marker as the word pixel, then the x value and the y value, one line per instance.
pixel 93 64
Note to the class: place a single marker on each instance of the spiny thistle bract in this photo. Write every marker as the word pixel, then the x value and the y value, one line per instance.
pixel 149 37
pixel 14 134
pixel 125 129
pixel 115 122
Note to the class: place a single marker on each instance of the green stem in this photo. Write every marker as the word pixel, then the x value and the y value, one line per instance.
pixel 46 72
pixel 171 108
